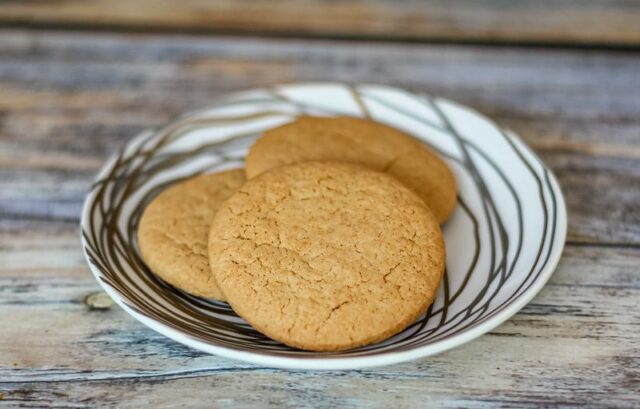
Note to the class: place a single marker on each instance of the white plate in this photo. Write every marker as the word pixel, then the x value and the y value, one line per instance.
pixel 503 241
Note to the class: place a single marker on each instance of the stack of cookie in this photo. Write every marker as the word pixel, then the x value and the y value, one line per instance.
pixel 328 240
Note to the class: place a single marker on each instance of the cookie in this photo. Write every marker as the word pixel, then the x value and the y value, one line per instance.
pixel 359 141
pixel 174 228
pixel 326 256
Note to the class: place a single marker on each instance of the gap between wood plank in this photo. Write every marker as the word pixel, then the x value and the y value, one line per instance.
pixel 368 38
pixel 621 245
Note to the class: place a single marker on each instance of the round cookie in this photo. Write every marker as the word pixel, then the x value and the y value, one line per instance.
pixel 360 141
pixel 174 230
pixel 326 256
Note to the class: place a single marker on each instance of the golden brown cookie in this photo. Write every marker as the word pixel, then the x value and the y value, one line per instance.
pixel 326 256
pixel 360 141
pixel 174 229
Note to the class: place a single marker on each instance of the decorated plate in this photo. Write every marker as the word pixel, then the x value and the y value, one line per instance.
pixel 503 240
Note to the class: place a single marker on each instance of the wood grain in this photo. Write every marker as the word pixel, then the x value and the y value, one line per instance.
pixel 571 346
pixel 68 101
pixel 546 21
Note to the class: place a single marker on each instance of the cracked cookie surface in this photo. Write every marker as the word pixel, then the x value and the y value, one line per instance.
pixel 326 256
pixel 358 141
pixel 174 229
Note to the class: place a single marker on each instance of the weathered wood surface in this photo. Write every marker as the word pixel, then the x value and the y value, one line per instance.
pixel 576 344
pixel 537 21
pixel 68 101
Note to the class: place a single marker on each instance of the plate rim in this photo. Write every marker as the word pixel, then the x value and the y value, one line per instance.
pixel 322 362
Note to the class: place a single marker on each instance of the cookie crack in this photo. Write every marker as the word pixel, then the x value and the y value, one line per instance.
pixel 189 247
pixel 333 311
pixel 294 321
pixel 279 246
pixel 391 270
pixel 336 308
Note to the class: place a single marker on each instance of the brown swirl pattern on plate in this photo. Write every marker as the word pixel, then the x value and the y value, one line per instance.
pixel 120 194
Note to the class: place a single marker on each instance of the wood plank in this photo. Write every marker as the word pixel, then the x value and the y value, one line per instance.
pixel 546 21
pixel 67 102
pixel 575 344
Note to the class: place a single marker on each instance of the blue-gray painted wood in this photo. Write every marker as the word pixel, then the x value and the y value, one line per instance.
pixel 68 100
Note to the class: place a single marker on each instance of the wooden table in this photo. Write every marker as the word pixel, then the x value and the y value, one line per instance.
pixel 79 78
